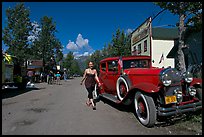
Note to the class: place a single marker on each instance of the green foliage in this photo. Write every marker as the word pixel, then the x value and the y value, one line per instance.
pixel 71 64
pixel 75 69
pixel 191 10
pixel 119 43
pixel 15 34
pixel 47 45
pixel 19 28
pixel 68 60
pixel 190 17
pixel 119 46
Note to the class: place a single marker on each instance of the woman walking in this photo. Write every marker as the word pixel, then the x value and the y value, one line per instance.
pixel 91 78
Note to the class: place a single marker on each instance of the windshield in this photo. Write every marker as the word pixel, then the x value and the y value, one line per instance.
pixel 135 64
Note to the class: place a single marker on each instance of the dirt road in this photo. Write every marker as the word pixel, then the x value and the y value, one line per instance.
pixel 61 110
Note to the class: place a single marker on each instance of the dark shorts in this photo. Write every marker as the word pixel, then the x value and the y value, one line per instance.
pixel 90 92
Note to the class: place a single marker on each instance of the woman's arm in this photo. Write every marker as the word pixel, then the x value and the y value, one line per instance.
pixel 84 76
pixel 96 78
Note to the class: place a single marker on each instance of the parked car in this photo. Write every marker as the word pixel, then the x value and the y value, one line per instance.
pixel 155 92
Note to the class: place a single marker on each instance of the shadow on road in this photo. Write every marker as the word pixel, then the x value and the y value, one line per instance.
pixel 161 122
pixel 8 93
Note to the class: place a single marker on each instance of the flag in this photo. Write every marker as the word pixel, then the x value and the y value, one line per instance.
pixel 8 58
pixel 120 62
pixel 162 58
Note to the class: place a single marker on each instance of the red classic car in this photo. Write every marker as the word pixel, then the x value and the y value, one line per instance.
pixel 155 92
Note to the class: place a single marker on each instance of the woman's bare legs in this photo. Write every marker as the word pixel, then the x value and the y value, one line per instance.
pixel 88 102
pixel 93 105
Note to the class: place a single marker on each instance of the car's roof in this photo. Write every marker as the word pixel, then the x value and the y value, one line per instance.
pixel 126 58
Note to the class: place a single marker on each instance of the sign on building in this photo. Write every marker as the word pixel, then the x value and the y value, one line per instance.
pixel 141 39
pixel 58 67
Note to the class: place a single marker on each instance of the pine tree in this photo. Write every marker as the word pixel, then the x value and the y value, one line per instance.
pixel 16 33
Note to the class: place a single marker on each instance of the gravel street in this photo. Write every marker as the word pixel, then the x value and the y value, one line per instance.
pixel 61 110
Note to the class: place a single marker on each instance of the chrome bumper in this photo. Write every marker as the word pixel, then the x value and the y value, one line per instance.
pixel 176 110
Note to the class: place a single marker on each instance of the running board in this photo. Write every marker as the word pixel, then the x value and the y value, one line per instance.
pixel 110 97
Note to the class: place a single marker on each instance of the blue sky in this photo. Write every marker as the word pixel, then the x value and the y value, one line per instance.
pixel 84 27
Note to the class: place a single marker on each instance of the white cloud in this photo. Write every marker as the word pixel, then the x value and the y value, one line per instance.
pixel 81 47
pixel 128 31
pixel 75 53
pixel 86 54
pixel 72 46
pixel 81 42
pixel 65 55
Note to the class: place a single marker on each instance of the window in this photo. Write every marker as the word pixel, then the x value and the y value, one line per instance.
pixel 135 64
pixel 145 45
pixel 103 66
pixel 134 52
pixel 139 49
pixel 134 48
pixel 113 66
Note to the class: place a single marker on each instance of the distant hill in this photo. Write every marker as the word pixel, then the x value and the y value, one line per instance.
pixel 82 62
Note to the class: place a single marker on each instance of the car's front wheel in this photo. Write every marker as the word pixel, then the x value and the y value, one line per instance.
pixel 145 109
pixel 122 88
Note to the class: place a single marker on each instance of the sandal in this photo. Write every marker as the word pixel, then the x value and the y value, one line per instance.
pixel 94 107
pixel 88 104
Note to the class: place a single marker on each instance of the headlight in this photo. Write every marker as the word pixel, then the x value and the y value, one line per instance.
pixel 166 80
pixel 188 77
pixel 192 91
pixel 170 76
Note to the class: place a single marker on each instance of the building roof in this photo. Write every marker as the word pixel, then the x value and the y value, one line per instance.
pixel 36 62
pixel 165 33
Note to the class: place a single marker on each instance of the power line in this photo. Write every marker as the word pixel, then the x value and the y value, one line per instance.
pixel 169 25
pixel 158 14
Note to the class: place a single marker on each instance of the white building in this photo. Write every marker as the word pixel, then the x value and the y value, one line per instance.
pixel 154 42
pixel 163 40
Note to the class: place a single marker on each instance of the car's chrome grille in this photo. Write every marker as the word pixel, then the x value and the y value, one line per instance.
pixel 170 90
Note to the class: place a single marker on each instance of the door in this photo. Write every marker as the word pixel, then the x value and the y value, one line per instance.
pixel 112 76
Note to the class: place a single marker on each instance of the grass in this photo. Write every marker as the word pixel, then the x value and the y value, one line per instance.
pixel 191 122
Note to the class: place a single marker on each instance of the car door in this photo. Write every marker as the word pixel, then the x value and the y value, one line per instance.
pixel 112 76
pixel 103 75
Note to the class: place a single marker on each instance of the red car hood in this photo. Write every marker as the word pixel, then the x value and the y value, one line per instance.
pixel 143 71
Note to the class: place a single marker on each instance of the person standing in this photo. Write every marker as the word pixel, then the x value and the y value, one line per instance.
pixel 30 76
pixel 58 78
pixel 41 77
pixel 91 78
pixel 50 77
pixel 65 76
